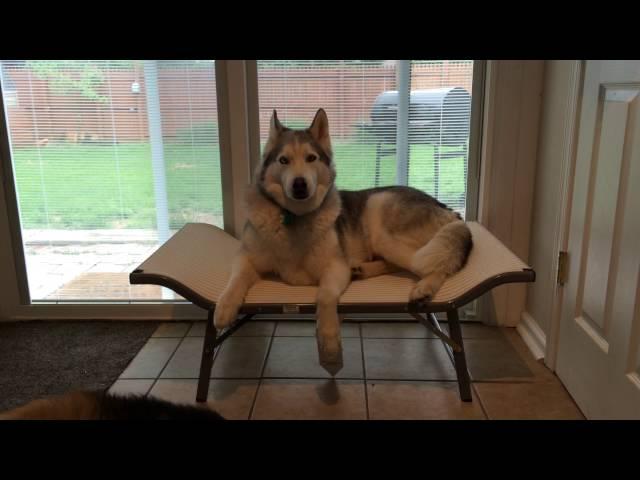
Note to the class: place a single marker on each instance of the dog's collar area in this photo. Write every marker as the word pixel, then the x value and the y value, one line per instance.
pixel 287 217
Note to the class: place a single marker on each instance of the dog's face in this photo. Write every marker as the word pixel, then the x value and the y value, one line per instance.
pixel 297 167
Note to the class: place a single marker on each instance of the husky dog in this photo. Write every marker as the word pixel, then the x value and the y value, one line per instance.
pixel 96 405
pixel 303 229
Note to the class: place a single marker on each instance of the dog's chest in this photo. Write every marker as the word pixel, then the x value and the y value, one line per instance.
pixel 305 258
pixel 299 256
pixel 297 249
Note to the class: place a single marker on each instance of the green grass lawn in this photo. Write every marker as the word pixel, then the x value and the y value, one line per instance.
pixel 355 164
pixel 89 186
pixel 96 186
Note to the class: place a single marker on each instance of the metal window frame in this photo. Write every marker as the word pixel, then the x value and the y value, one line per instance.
pixel 237 145
pixel 9 192
pixel 479 91
pixel 403 82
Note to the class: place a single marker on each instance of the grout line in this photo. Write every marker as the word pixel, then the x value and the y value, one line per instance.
pixel 477 395
pixel 141 378
pixel 164 366
pixel 361 336
pixel 149 388
pixel 350 379
pixel 131 361
pixel 264 366
pixel 173 336
pixel 507 381
pixel 312 336
pixel 364 374
pixel 108 389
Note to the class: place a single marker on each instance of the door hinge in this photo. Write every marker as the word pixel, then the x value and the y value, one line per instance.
pixel 563 265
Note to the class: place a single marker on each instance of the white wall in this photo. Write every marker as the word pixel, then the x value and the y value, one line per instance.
pixel 512 117
pixel 558 115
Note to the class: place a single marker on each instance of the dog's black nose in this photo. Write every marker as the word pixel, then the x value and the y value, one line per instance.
pixel 299 187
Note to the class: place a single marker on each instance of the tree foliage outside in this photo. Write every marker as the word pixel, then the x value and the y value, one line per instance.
pixel 73 77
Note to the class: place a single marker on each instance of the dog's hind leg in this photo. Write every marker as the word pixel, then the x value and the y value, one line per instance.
pixel 394 250
pixel 372 269
pixel 441 257
pixel 333 283
pixel 243 276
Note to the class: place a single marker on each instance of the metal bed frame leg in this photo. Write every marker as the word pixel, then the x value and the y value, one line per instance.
pixel 211 341
pixel 460 360
pixel 206 363
pixel 453 345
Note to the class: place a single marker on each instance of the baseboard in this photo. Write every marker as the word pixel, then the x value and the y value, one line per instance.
pixel 532 335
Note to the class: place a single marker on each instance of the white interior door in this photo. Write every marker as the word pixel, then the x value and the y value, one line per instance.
pixel 598 350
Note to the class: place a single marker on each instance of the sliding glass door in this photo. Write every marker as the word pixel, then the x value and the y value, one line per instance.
pixel 109 158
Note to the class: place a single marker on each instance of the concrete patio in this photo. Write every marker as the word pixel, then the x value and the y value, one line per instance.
pixel 88 264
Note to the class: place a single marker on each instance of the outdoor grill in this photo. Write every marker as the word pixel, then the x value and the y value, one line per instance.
pixel 438 117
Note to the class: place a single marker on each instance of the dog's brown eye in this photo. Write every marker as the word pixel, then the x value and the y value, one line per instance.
pixel 312 158
pixel 283 160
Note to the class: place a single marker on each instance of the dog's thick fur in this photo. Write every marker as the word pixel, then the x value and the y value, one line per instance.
pixel 328 237
pixel 93 405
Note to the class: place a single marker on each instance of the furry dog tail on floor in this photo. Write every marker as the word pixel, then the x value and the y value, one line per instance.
pixel 92 405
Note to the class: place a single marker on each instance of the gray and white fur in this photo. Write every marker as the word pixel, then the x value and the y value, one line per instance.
pixel 301 228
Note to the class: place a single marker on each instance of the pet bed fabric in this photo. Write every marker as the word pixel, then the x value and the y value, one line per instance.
pixel 196 263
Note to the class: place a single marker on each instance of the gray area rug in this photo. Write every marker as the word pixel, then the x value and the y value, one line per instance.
pixel 38 359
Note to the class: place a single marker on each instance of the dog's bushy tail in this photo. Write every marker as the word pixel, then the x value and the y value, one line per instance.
pixel 95 405
pixel 116 407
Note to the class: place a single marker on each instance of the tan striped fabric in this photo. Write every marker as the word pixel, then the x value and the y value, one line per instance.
pixel 200 255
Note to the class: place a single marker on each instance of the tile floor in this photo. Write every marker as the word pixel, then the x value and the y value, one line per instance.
pixel 396 370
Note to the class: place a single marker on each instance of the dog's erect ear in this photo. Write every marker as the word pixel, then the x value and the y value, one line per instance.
pixel 319 129
pixel 275 127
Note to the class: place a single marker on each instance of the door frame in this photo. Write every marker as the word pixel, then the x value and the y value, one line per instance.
pixel 561 238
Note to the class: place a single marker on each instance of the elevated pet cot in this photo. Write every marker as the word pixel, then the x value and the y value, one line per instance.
pixel 196 264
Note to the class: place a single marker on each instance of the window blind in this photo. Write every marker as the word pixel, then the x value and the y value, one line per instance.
pixel 367 121
pixel 110 158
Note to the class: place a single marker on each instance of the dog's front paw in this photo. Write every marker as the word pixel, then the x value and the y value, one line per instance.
pixel 225 313
pixel 330 353
pixel 420 294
